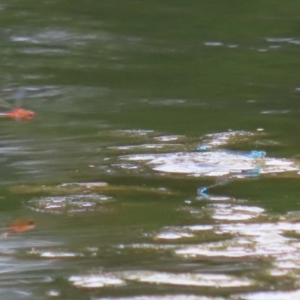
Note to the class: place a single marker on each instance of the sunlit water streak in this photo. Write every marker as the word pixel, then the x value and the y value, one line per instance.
pixel 233 231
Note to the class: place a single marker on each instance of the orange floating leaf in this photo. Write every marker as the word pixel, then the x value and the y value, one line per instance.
pixel 20 114
pixel 21 225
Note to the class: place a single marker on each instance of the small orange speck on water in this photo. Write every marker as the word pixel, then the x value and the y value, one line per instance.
pixel 20 114
pixel 21 225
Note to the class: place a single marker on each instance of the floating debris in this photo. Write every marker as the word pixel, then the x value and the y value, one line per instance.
pixel 21 226
pixel 19 114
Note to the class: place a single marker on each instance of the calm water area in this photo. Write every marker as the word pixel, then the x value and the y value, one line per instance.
pixel 137 169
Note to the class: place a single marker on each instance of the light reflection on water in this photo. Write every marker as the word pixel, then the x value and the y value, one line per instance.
pixel 125 204
pixel 225 239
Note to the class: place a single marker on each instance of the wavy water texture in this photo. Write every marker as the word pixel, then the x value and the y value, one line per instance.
pixel 162 161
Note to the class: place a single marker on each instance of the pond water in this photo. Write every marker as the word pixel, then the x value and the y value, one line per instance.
pixel 163 161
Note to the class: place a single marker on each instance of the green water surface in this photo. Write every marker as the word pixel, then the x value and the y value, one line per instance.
pixel 96 73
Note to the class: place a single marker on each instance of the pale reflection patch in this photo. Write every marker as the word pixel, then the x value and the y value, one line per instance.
pixel 175 233
pixel 213 164
pixel 96 281
pixel 153 277
pixel 187 279
pixel 163 297
pixel 69 204
pixel 229 212
pixel 276 295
